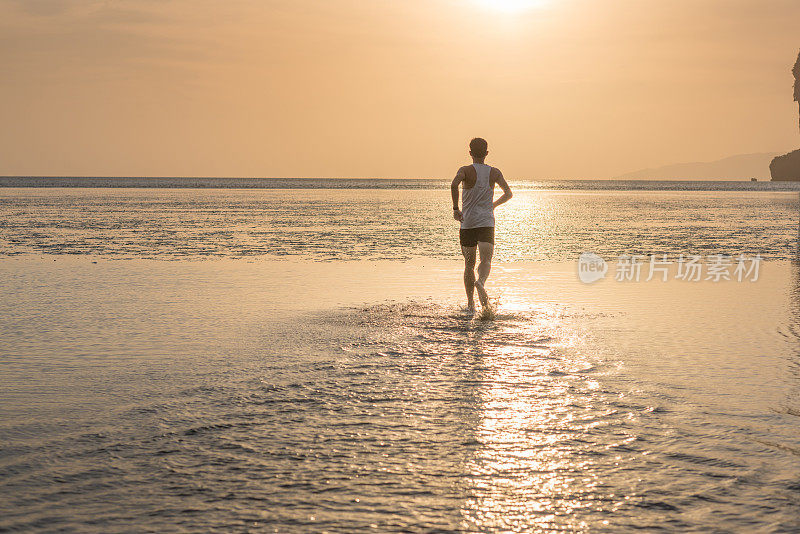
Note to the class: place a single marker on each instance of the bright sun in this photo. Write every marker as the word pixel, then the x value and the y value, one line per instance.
pixel 512 6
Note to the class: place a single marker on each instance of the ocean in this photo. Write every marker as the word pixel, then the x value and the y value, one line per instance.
pixel 389 219
pixel 294 356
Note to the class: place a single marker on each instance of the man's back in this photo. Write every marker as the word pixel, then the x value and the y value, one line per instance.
pixel 477 217
pixel 478 195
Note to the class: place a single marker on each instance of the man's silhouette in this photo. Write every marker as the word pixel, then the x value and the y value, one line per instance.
pixel 477 217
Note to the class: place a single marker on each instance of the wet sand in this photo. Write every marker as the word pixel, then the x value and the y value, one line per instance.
pixel 296 395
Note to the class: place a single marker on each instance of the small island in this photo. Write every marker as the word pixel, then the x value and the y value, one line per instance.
pixel 787 167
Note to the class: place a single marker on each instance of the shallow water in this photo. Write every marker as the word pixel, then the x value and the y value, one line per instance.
pixel 337 396
pixel 344 224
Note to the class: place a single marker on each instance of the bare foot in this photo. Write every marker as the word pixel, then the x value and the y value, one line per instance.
pixel 487 313
pixel 482 294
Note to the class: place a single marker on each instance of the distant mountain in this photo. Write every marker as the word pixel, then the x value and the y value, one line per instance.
pixel 741 167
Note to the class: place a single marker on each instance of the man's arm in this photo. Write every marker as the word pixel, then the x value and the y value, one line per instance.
pixel 454 193
pixel 499 180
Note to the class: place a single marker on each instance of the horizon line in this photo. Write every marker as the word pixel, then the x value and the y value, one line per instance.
pixel 618 179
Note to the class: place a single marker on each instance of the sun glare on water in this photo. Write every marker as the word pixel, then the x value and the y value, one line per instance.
pixel 511 6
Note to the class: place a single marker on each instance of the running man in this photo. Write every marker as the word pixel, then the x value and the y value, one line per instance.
pixel 477 217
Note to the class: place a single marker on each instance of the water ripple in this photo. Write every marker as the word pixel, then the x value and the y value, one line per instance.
pixel 411 417
pixel 331 224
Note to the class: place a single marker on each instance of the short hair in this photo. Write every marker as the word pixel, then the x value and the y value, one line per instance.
pixel 479 147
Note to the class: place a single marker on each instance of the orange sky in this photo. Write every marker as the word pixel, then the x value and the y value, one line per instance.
pixel 391 88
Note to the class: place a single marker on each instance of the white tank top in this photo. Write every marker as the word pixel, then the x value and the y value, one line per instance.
pixel 477 206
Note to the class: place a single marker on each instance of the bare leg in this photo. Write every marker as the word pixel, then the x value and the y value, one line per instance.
pixel 485 267
pixel 469 274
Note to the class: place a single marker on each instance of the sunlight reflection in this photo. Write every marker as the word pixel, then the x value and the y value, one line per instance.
pixel 535 221
pixel 529 472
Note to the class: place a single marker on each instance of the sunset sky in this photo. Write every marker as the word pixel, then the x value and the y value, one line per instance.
pixel 391 88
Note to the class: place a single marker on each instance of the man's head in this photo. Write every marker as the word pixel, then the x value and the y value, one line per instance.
pixel 478 148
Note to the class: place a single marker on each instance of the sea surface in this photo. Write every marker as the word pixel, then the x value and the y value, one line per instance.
pixel 253 359
pixel 391 219
pixel 384 183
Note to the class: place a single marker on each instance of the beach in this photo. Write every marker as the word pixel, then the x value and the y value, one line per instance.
pixel 295 395
pixel 433 266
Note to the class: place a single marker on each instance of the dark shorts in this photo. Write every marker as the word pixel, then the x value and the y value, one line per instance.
pixel 471 236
